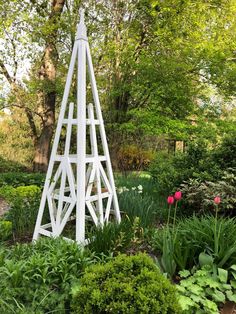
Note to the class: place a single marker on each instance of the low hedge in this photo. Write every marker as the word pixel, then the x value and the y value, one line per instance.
pixel 126 284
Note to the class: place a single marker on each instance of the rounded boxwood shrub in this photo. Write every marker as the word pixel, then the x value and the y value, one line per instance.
pixel 126 284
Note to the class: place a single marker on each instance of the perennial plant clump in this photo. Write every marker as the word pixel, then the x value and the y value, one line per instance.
pixel 24 203
pixel 205 290
pixel 37 278
pixel 126 284
pixel 200 195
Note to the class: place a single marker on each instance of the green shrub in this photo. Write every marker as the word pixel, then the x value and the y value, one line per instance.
pixel 169 171
pixel 16 179
pixel 5 230
pixel 204 290
pixel 37 278
pixel 225 154
pixel 9 165
pixel 199 196
pixel 183 244
pixel 126 284
pixel 24 204
pixel 164 172
pixel 133 158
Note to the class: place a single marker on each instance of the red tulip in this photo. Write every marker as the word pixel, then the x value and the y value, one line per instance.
pixel 170 200
pixel 217 200
pixel 178 195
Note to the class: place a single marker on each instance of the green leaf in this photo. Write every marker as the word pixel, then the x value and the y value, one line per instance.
pixel 231 297
pixel 205 259
pixel 184 273
pixel 223 275
pixel 186 303
pixel 210 305
pixel 196 298
pixel 233 283
pixel 180 288
pixel 218 296
pixel 233 267
pixel 196 289
pixel 212 283
pixel 226 286
pixel 233 274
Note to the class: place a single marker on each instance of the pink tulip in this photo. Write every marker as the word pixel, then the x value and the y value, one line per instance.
pixel 170 200
pixel 178 195
pixel 217 200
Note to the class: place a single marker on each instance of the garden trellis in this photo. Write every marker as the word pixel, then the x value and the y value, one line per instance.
pixel 78 186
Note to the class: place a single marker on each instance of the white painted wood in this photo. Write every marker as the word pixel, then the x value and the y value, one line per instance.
pixel 74 121
pixel 73 158
pixel 94 147
pixel 102 131
pixel 94 198
pixel 81 130
pixel 67 195
pixel 108 208
pixel 92 212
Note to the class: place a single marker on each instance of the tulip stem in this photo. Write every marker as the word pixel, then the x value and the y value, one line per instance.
pixel 175 212
pixel 168 219
pixel 216 233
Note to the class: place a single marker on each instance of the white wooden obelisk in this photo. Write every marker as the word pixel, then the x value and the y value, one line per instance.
pixel 78 186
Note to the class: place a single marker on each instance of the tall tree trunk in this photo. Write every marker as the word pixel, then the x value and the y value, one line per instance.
pixel 47 75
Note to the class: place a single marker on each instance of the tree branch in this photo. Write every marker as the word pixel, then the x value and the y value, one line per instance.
pixel 6 73
pixel 32 124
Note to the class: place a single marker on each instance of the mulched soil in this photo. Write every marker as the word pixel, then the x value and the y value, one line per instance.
pixel 229 308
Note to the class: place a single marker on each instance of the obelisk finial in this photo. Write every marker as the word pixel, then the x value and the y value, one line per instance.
pixel 81 13
pixel 81 28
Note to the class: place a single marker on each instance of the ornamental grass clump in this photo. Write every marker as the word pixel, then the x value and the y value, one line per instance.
pixel 126 284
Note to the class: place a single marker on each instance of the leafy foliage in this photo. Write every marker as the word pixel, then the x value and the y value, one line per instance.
pixel 181 246
pixel 127 284
pixel 224 155
pixel 114 238
pixel 169 171
pixel 132 157
pixel 24 204
pixel 16 179
pixel 37 278
pixel 199 195
pixel 9 166
pixel 203 290
pixel 135 205
pixel 138 197
pixel 5 230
